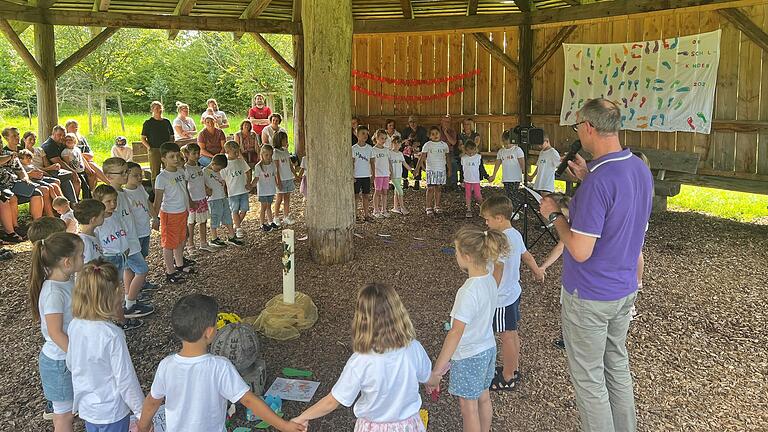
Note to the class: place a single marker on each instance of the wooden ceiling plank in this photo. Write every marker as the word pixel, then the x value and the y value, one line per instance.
pixel 747 26
pixel 552 48
pixel 86 49
pixel 495 51
pixel 254 9
pixel 21 49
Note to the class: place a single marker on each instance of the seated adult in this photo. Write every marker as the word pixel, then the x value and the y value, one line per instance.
pixel 14 180
pixel 59 168
pixel 389 128
pixel 220 116
pixel 250 142
pixel 355 124
pixel 156 131
pixel 46 185
pixel 92 171
pixel 259 114
pixel 274 127
pixel 211 141
pixel 183 125
pixel 9 220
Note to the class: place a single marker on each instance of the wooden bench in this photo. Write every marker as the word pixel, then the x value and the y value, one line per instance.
pixel 141 156
pixel 663 161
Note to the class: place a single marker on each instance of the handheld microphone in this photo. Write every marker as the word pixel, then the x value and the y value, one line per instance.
pixel 571 155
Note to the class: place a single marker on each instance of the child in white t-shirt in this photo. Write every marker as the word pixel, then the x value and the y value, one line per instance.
pixel 198 204
pixel 55 260
pixel 470 165
pixel 237 176
pixel 218 204
pixel 397 164
pixel 266 180
pixel 122 150
pixel 512 161
pixel 62 207
pixel 381 175
pixel 90 215
pixel 73 156
pixel 196 385
pixel 546 166
pixel 385 369
pixel 469 345
pixel 106 389
pixel 286 174
pixel 497 212
pixel 364 166
pixel 435 155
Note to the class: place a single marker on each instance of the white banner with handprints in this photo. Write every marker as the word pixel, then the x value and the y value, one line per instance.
pixel 663 85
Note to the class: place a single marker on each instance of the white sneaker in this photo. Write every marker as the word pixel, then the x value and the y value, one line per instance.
pixel 404 211
pixel 386 214
pixel 378 215
pixel 287 221
pixel 211 244
pixel 277 221
pixel 206 248
pixel 239 233
pixel 397 211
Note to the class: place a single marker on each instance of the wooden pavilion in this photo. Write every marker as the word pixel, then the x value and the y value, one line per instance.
pixel 515 45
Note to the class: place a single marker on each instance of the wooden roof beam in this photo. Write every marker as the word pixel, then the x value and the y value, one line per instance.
pixel 747 26
pixel 101 5
pixel 290 70
pixel 551 48
pixel 21 49
pixel 573 2
pixel 495 51
pixel 255 8
pixel 407 9
pixel 183 8
pixel 472 7
pixel 524 5
pixel 86 49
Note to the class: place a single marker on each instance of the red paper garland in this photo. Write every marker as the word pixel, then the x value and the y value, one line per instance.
pixel 414 82
pixel 380 95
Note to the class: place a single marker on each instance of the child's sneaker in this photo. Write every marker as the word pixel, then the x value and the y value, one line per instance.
pixel 186 269
pixel 138 310
pixel 191 250
pixel 206 248
pixel 175 278
pixel 144 297
pixel 386 214
pixel 396 211
pixel 149 286
pixel 239 233
pixel 274 226
pixel 287 221
pixel 48 410
pixel 188 262
pixel 217 243
pixel 276 222
pixel 266 227
pixel 234 241
pixel 378 215
pixel 131 324
pixel 404 211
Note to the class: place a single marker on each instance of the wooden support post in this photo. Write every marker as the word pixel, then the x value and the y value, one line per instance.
pixel 298 85
pixel 472 7
pixel 526 58
pixel 290 70
pixel 327 66
pixel 551 48
pixel 86 49
pixel 47 101
pixel 495 51
pixel 21 49
pixel 407 9
pixel 747 26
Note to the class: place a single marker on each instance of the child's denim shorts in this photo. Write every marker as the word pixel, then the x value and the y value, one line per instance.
pixel 56 378
pixel 239 203
pixel 220 212
pixel 470 377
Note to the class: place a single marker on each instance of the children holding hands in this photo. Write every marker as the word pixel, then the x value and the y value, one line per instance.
pixel 398 165
pixel 218 203
pixel 198 199
pixel 267 179
pixel 237 176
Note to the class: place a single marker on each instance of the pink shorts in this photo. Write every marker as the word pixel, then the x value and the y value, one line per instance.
pixel 381 183
pixel 472 188
pixel 411 424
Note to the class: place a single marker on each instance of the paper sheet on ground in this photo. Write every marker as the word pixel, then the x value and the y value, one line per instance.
pixel 292 389
pixel 534 194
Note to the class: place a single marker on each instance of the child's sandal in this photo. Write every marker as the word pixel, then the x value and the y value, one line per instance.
pixel 500 384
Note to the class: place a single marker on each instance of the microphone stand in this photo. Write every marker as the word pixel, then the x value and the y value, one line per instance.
pixel 529 206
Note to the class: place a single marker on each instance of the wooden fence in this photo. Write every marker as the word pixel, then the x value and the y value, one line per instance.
pixel 736 152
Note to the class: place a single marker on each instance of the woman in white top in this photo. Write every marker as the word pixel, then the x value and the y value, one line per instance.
pixel 389 128
pixel 274 127
pixel 385 370
pixel 183 125
pixel 106 389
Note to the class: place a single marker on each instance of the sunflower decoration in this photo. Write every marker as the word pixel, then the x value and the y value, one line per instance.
pixel 224 318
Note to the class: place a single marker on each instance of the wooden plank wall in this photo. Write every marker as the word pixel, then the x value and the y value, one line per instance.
pixel 741 93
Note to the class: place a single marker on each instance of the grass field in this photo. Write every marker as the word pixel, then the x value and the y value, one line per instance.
pixel 739 206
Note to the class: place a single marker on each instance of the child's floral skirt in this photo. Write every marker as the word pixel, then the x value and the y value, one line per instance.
pixel 411 424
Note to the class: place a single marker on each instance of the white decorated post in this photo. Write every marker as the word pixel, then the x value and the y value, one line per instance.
pixel 289 277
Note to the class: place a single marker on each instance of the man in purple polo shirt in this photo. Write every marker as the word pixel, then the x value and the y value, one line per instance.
pixel 609 215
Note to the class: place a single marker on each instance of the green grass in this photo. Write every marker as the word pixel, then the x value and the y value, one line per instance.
pixel 738 206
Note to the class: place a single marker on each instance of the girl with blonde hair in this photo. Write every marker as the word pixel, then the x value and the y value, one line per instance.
pixel 385 370
pixel 106 389
pixel 469 350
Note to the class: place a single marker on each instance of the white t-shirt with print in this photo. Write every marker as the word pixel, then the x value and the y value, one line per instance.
pixel 509 288
pixel 55 298
pixel 283 159
pixel 388 383
pixel 76 158
pixel 362 155
pixel 474 306
pixel 113 236
pixel 125 210
pixel 139 202
pixel 196 391
pixel 396 159
pixel 382 161
pixel 187 125
pixel 437 155
pixel 470 166
pixel 195 182
pixel 510 165
pixel 214 182
pixel 267 175
pixel 545 172
pixel 234 176
pixel 91 248
pixel 174 187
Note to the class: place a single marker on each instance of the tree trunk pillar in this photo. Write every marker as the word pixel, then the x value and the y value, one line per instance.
pixel 298 95
pixel 47 102
pixel 327 110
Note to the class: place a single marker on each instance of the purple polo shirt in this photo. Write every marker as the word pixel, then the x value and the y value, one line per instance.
pixel 613 204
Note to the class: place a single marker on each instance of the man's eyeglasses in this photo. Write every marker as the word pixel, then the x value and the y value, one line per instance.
pixel 119 173
pixel 576 125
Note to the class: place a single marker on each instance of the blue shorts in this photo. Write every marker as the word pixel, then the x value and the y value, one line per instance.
pixel 506 318
pixel 118 426
pixel 266 199
pixel 134 263
pixel 239 203
pixel 470 377
pixel 56 378
pixel 144 241
pixel 286 186
pixel 119 262
pixel 220 212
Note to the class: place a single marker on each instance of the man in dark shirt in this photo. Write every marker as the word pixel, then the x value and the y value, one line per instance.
pixel 53 147
pixel 156 131
pixel 416 135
